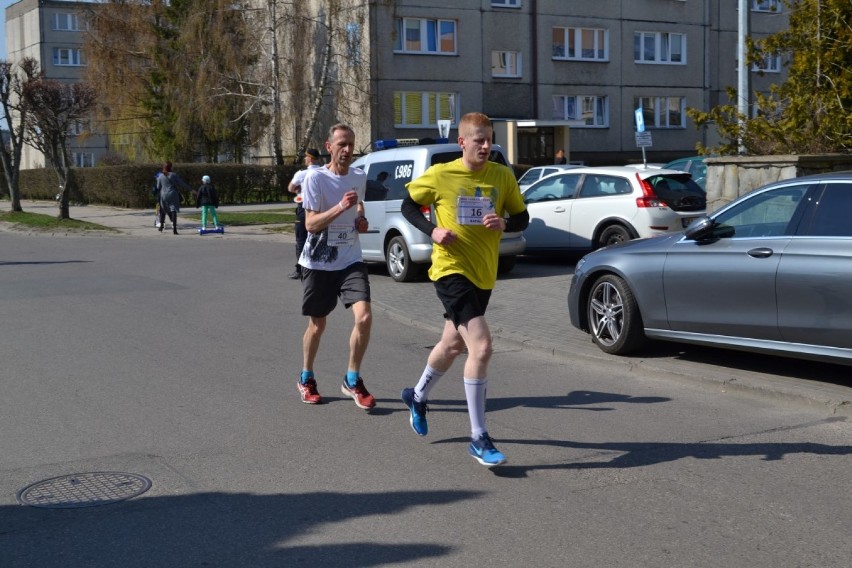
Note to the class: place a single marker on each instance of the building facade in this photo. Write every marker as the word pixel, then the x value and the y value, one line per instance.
pixel 551 73
pixel 51 32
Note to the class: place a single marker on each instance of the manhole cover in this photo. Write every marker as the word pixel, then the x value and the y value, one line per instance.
pixel 83 490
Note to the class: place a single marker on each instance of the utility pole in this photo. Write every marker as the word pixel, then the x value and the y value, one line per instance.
pixel 743 90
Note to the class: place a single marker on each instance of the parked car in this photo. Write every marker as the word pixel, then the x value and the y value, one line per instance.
pixel 587 208
pixel 694 166
pixel 406 251
pixel 535 173
pixel 770 272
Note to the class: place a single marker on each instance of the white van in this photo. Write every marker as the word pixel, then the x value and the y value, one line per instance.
pixel 406 251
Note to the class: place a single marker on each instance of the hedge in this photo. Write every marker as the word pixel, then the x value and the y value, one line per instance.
pixel 131 186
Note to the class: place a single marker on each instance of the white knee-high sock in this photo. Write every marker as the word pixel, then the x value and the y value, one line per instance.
pixel 427 380
pixel 474 390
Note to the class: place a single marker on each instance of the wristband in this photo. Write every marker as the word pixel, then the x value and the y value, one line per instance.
pixel 341 207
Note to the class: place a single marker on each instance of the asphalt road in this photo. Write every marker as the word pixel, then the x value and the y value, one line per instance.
pixel 175 358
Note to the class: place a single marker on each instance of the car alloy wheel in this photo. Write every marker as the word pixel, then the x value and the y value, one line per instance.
pixel 398 261
pixel 614 318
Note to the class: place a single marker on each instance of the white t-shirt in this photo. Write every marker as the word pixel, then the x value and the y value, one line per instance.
pixel 338 245
pixel 299 177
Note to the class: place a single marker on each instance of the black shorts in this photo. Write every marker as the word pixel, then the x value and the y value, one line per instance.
pixel 322 288
pixel 462 300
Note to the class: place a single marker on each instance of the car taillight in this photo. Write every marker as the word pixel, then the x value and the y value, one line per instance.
pixel 427 212
pixel 649 198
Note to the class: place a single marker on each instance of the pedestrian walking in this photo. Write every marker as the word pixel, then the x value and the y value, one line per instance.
pixel 471 197
pixel 560 158
pixel 169 185
pixel 312 161
pixel 207 198
pixel 332 265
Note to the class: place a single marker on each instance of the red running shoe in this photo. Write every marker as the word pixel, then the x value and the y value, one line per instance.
pixel 363 399
pixel 308 392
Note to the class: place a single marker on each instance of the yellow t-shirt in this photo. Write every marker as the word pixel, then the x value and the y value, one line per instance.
pixel 475 253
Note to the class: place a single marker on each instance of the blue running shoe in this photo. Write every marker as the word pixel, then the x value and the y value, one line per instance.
pixel 418 412
pixel 482 449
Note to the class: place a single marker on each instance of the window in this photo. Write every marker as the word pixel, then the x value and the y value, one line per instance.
pixel 423 109
pixel 767 214
pixel 83 159
pixel 766 5
pixel 662 112
pixel 831 218
pixel 769 64
pixel 65 22
pixel 353 44
pixel 505 64
pixel 505 3
pixel 414 35
pixel 67 56
pixel 581 44
pixel 590 109
pixel 659 47
pixel 79 127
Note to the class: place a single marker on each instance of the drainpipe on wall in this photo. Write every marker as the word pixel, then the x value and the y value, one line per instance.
pixel 534 56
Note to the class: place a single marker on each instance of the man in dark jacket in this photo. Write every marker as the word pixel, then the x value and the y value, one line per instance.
pixel 207 199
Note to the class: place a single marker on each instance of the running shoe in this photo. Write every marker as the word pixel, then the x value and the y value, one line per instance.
pixel 482 449
pixel 308 392
pixel 363 399
pixel 418 412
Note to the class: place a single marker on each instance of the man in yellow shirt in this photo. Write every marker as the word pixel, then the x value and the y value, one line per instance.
pixel 471 197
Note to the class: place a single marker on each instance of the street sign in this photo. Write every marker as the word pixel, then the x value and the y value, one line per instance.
pixel 640 121
pixel 643 140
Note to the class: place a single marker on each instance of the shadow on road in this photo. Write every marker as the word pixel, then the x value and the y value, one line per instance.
pixel 216 529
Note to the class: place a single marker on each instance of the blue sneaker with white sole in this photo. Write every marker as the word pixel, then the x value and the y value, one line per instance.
pixel 482 449
pixel 418 412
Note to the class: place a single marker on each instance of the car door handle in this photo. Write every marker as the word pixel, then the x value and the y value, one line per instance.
pixel 559 209
pixel 761 252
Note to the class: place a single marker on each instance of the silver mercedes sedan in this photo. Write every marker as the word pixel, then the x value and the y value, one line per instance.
pixel 770 272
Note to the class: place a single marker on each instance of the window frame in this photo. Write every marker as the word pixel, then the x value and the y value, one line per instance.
pixel 573 40
pixel 72 20
pixel 766 6
pixel 80 159
pixel 660 109
pixel 517 65
pixel 580 104
pixel 75 57
pixel 505 3
pixel 662 48
pixel 401 42
pixel 427 106
pixel 769 64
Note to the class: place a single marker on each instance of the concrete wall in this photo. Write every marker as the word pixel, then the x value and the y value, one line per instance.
pixel 728 177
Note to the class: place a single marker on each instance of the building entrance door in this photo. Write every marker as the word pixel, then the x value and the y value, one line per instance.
pixel 535 146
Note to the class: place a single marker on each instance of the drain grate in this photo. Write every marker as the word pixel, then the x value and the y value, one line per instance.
pixel 83 490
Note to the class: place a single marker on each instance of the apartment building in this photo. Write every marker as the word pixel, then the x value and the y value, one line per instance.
pixel 50 32
pixel 554 73
pixel 551 73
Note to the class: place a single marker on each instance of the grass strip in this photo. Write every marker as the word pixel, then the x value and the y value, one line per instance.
pixel 41 222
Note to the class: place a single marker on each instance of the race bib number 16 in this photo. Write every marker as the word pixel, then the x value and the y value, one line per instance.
pixel 471 210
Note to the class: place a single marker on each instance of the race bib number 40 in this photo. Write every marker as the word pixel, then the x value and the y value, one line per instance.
pixel 340 235
pixel 471 210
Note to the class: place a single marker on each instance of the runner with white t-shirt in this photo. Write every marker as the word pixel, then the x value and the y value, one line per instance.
pixel 332 264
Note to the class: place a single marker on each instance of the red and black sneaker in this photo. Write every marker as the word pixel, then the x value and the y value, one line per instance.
pixel 363 399
pixel 308 392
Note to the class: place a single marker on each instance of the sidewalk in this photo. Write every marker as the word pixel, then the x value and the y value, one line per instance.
pixel 140 222
pixel 528 311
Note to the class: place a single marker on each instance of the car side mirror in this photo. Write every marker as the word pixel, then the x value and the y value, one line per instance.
pixel 700 228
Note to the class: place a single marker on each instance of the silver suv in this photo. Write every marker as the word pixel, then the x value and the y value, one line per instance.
pixel 406 251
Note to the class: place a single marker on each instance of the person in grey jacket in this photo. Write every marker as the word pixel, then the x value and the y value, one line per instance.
pixel 169 185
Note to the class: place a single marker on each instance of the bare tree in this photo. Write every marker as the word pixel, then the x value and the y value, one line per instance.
pixel 54 107
pixel 13 81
